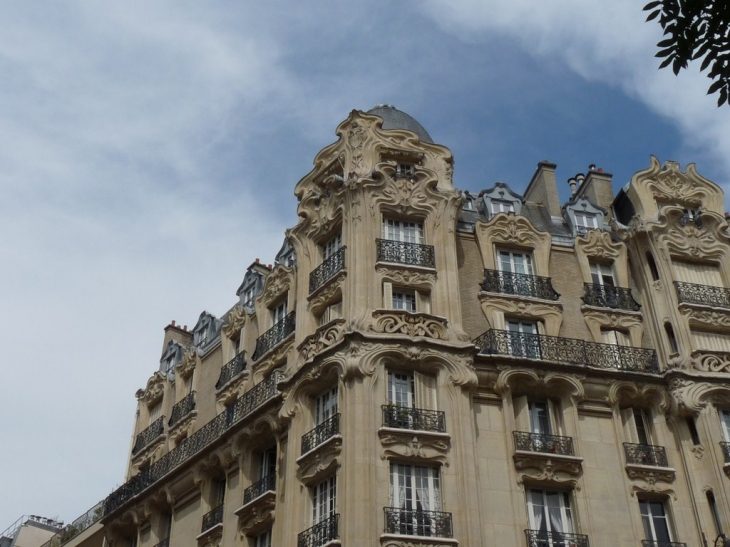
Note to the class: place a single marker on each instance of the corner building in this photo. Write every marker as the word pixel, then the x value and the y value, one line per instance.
pixel 428 367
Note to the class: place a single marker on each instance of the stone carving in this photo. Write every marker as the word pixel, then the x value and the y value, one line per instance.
pixel 325 295
pixel 648 479
pixel 410 324
pixel 511 230
pixel 431 542
pixel 547 468
pixel 690 240
pixel 320 461
pixel 187 364
pixel 598 244
pixel 597 319
pixel 236 320
pixel 706 317
pixel 711 362
pixel 496 307
pixel 277 283
pixel 686 396
pixel 407 444
pixel 510 378
pixel 323 338
pixel 154 390
pixel 619 392
pixel 671 185
pixel 211 537
pixel 257 514
pixel 698 451
pixel 408 278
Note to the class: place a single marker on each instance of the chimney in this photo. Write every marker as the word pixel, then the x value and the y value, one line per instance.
pixel 543 189
pixel 597 189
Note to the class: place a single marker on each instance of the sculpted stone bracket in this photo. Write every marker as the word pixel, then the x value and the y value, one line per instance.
pixel 273 358
pixel 413 276
pixel 319 462
pixel 277 283
pixel 323 338
pixel 154 390
pixel 706 361
pixel 597 245
pixel 495 307
pixel 235 322
pixel 257 515
pixel 150 453
pixel 187 365
pixel 183 427
pixel 413 325
pixel 211 537
pixel 323 296
pixel 647 476
pixel 421 445
pixel 543 467
pixel 599 318
pixel 393 540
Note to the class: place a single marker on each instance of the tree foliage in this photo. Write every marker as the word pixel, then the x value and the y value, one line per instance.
pixel 696 29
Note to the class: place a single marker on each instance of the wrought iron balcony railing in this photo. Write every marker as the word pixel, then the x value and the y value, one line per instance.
pixel 211 518
pixel 182 408
pixel 540 442
pixel 274 335
pixel 403 417
pixel 538 538
pixel 323 532
pixel 154 430
pixel 519 284
pixel 231 369
pixel 164 543
pixel 570 351
pixel 327 270
pixel 704 295
pixel 400 252
pixel 652 543
pixel 605 296
pixel 73 529
pixel 318 435
pixel 260 487
pixel 646 454
pixel 195 443
pixel 411 522
pixel 725 451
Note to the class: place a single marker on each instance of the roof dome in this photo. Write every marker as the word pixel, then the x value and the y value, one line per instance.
pixel 397 119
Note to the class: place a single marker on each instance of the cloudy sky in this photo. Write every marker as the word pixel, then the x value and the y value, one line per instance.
pixel 148 153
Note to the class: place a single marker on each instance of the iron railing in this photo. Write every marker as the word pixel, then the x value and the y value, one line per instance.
pixel 605 296
pixel 154 430
pixel 566 350
pixel 652 543
pixel 412 522
pixel 195 443
pixel 725 451
pixel 182 408
pixel 403 417
pixel 323 532
pixel 73 529
pixel 539 538
pixel 318 435
pixel 266 484
pixel 274 335
pixel 401 252
pixel 164 543
pixel 211 518
pixel 520 284
pixel 326 271
pixel 646 454
pixel 231 369
pixel 704 295
pixel 540 442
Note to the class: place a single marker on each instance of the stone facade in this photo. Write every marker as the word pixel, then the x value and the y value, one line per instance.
pixel 436 368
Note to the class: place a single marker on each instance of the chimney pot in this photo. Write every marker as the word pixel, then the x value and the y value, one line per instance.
pixel 172 322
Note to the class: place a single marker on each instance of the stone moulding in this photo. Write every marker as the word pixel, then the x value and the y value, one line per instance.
pixel 413 276
pixel 211 537
pixel 646 477
pixel 235 322
pixel 495 307
pixel 154 390
pixel 257 515
pixel 183 427
pixel 706 361
pixel 324 294
pixel 410 324
pixel 324 337
pixel 429 446
pixel 320 461
pixel 542 467
pixel 394 540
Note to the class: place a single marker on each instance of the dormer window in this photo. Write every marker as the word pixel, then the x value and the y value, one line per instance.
pixel 585 222
pixel 500 206
pixel 404 170
pixel 247 297
pixel 279 312
pixel 201 336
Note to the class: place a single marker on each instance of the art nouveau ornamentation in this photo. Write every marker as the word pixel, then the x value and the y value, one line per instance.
pixel 188 363
pixel 548 468
pixel 256 516
pixel 598 320
pixel 324 337
pixel 420 446
pixel 236 320
pixel 279 281
pixel 495 308
pixel 409 324
pixel 513 231
pixel 154 390
pixel 320 462
pixel 398 275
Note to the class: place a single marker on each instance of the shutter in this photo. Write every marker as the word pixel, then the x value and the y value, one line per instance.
pixel 711 341
pixel 700 274
pixel 423 302
pixel 336 310
pixel 622 339
pixel 627 419
pixel 425 395
pixel 522 413
pixel 555 417
pixel 388 296
pixel 609 337
pixel 155 412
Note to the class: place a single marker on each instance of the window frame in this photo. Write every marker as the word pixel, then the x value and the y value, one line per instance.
pixel 326 405
pixel 545 523
pixel 324 499
pixel 649 520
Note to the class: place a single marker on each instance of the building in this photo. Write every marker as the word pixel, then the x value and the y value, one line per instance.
pixel 428 367
pixel 30 531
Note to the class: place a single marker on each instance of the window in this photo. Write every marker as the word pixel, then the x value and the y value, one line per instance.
pixel 168 365
pixel 725 422
pixel 602 274
pixel 332 246
pixel 715 513
pixel 404 299
pixel 264 540
pixel 404 170
pixel 500 206
pixel 325 406
pixel 267 465
pixel 403 231
pixel 415 489
pixel 218 492
pixel 541 417
pixel 155 412
pixel 585 222
pixel 711 341
pixel 330 313
pixel 636 425
pixel 165 526
pixel 324 500
pixel 656 523
pixel 672 339
pixel 412 390
pixel 248 296
pixel 515 262
pixel 522 339
pixel 614 337
pixel 399 298
pixel 549 513
pixel 189 384
pixel 279 312
pixel 652 266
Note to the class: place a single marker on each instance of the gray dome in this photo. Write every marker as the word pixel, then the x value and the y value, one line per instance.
pixel 396 119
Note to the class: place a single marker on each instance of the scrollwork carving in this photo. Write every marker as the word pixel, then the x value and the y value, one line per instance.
pixel 188 363
pixel 277 283
pixel 410 324
pixel 323 338
pixel 407 444
pixel 236 320
pixel 154 390
pixel 408 278
pixel 325 295
pixel 537 467
pixel 711 362
pixel 320 462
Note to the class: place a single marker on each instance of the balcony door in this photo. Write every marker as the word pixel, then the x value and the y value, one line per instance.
pixel 550 515
pixel 324 500
pixel 636 426
pixel 615 338
pixel 279 312
pixel 656 524
pixel 268 463
pixel 522 339
pixel 415 489
pixel 325 406
pixel 725 422
pixel 331 247
pixel 515 265
pixel 403 231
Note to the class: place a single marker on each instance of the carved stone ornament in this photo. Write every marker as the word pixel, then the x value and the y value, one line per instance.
pixel 406 278
pixel 711 362
pixel 324 337
pixel 423 446
pixel 598 244
pixel 409 324
pixel 236 320
pixel 212 537
pixel 257 515
pixel 183 427
pixel 704 317
pixel 687 239
pixel 187 364
pixel 539 467
pixel 510 230
pixel 650 479
pixel 698 451
pixel 513 379
pixel 670 185
pixel 390 541
pixel 154 390
pixel 149 454
pixel 277 283
pixel 320 461
pixel 496 307
pixel 623 392
pixel 273 358
pixel 231 391
pixel 599 319
pixel 324 296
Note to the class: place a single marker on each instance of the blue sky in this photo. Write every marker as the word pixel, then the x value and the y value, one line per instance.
pixel 149 151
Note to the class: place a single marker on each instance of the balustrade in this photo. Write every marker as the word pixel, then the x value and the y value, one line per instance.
pixel 541 442
pixel 318 435
pixel 539 538
pixel 704 295
pixel 274 335
pixel 182 408
pixel 725 451
pixel 231 369
pixel 520 284
pixel 401 252
pixel 323 532
pixel 413 522
pixel 403 417
pixel 327 270
pixel 606 296
pixel 154 430
pixel 260 487
pixel 211 518
pixel 646 454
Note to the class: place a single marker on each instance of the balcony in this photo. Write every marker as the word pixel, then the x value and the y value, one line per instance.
pixel 231 369
pixel 164 543
pixel 569 351
pixel 182 408
pixel 327 270
pixel 259 488
pixel 605 296
pixel 399 252
pixel 412 522
pixel 211 518
pixel 155 429
pixel 703 295
pixel 253 399
pixel 537 538
pixel 725 451
pixel 652 543
pixel 274 335
pixel 540 442
pixel 323 532
pixel 402 417
pixel 519 284
pixel 326 430
pixel 646 454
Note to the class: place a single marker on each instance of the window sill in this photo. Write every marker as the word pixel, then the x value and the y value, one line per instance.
pixel 213 531
pixel 417 540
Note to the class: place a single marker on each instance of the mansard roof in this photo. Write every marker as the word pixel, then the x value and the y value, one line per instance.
pixel 397 119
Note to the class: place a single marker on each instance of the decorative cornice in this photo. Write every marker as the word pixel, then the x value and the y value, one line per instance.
pixel 421 445
pixel 154 390
pixel 324 337
pixel 407 277
pixel 409 324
